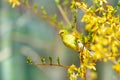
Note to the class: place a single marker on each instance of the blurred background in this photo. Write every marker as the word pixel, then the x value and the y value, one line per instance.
pixel 24 34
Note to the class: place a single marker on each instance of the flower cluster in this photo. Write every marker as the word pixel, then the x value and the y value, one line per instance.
pixel 102 21
pixel 14 3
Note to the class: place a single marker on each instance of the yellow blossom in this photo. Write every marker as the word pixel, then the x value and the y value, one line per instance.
pixel 82 71
pixel 117 68
pixel 94 75
pixel 91 66
pixel 112 58
pixel 73 76
pixel 110 8
pixel 72 68
pixel 81 5
pixel 14 3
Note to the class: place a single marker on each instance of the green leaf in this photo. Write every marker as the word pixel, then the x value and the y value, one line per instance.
pixel 26 2
pixel 35 6
pixel 50 58
pixel 29 61
pixel 58 60
pixel 57 2
pixel 43 10
pixel 43 60
pixel 60 23
pixel 89 37
pixel 118 4
pixel 65 2
pixel 54 18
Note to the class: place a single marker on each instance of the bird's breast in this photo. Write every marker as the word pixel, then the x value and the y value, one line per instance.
pixel 70 41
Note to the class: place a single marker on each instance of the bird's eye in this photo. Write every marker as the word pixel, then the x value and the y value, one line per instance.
pixel 61 32
pixel 78 41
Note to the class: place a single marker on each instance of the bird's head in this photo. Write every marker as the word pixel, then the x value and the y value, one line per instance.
pixel 63 32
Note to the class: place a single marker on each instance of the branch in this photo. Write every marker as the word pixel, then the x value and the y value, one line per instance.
pixel 47 19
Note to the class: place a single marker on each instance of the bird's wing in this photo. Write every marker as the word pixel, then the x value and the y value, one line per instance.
pixel 70 41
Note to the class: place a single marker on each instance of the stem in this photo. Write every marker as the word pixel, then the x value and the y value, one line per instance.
pixel 75 18
pixel 82 62
pixel 85 74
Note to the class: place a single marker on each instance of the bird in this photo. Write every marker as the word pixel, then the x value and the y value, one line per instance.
pixel 69 39
pixel 73 41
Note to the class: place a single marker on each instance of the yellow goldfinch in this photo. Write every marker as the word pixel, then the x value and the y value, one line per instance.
pixel 68 39
pixel 72 40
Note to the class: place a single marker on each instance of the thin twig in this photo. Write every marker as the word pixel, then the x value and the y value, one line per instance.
pixel 57 65
pixel 63 14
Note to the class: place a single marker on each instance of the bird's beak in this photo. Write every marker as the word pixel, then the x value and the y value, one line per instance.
pixel 58 33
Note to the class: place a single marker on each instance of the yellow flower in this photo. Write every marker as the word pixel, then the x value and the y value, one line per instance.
pixel 91 66
pixel 110 8
pixel 72 72
pixel 94 75
pixel 81 5
pixel 72 68
pixel 82 71
pixel 73 76
pixel 14 3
